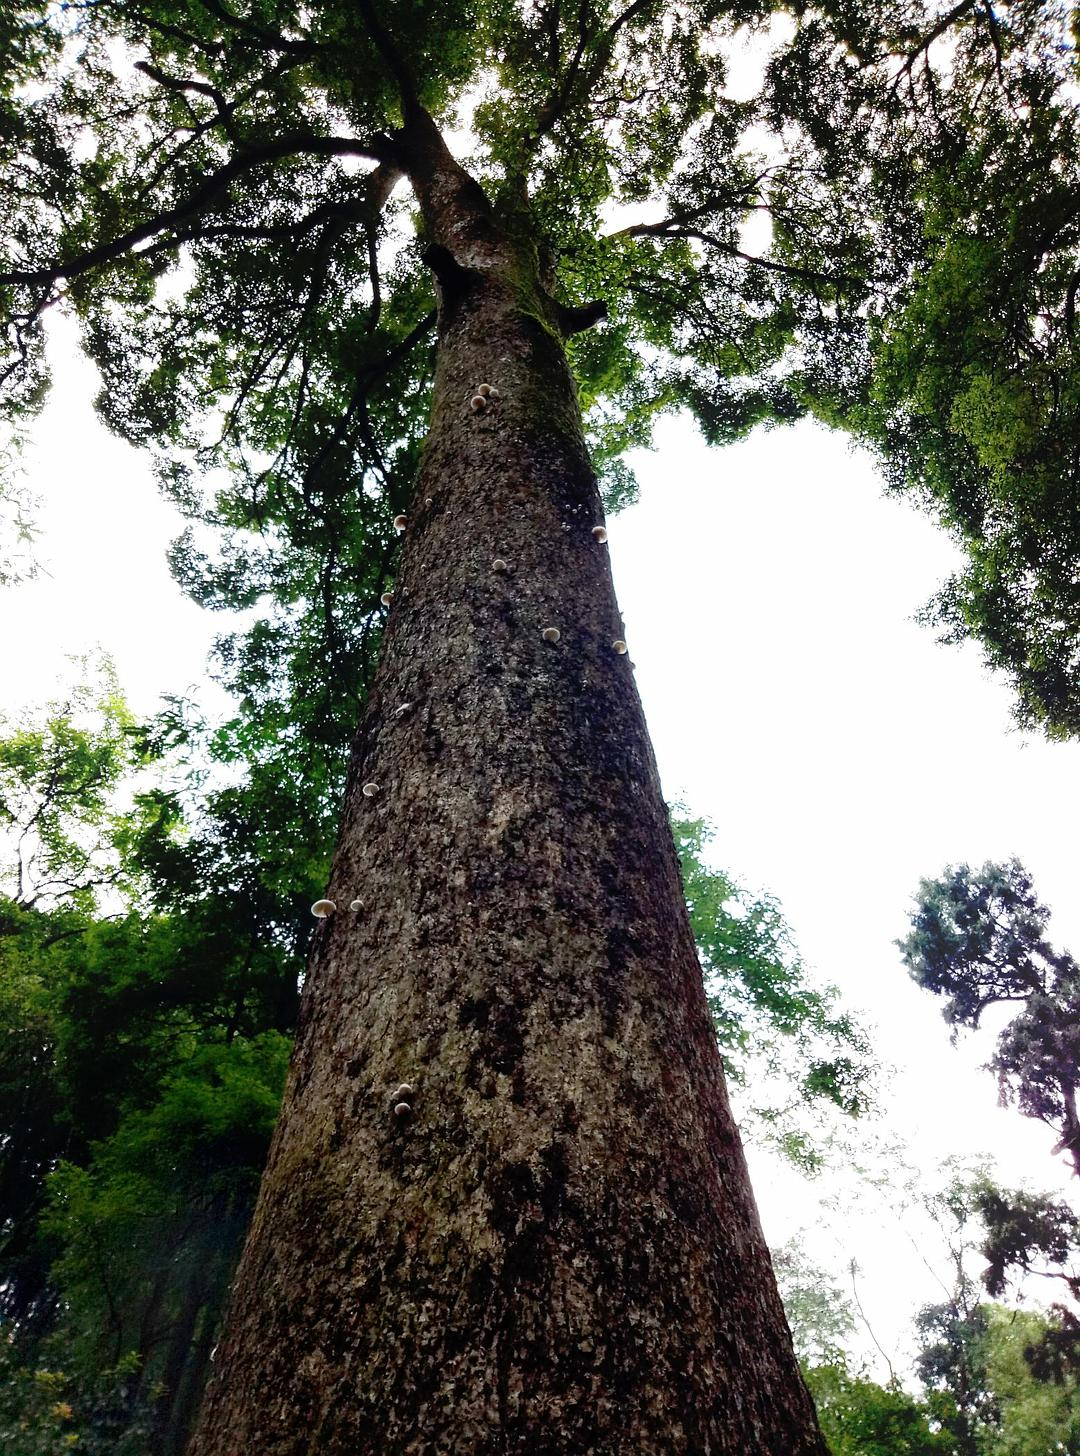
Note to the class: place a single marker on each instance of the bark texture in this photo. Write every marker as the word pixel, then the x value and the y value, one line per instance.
pixel 558 1251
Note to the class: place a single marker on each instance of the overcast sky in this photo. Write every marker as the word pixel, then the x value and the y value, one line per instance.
pixel 768 591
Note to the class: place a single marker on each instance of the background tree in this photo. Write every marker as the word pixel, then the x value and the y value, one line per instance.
pixel 862 1418
pixel 981 1394
pixel 991 1401
pixel 859 1415
pixel 1030 1234
pixel 58 777
pixel 141 1061
pixel 978 939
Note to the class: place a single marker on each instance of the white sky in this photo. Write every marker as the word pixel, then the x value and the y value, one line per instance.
pixel 768 591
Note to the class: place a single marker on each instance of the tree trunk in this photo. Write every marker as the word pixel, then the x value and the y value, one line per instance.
pixel 1070 1125
pixel 557 1251
pixel 185 1407
pixel 177 1358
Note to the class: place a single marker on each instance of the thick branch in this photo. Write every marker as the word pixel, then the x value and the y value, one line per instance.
pixel 380 184
pixel 392 58
pixel 453 278
pixel 792 270
pixel 577 320
pixel 562 95
pixel 179 83
pixel 294 144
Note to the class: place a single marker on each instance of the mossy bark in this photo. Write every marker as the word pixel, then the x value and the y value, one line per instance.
pixel 558 1250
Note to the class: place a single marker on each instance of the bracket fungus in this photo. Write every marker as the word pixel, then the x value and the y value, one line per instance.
pixel 355 905
pixel 599 533
pixel 405 1093
pixel 400 522
pixel 619 646
pixel 403 1110
pixel 487 390
pixel 322 909
pixel 479 403
pixel 551 634
pixel 387 597
pixel 499 564
pixel 370 790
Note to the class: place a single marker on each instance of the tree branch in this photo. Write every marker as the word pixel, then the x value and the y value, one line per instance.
pixel 294 144
pixel 269 39
pixel 393 59
pixel 924 42
pixel 558 102
pixel 366 377
pixel 178 83
pixel 381 183
pixel 666 230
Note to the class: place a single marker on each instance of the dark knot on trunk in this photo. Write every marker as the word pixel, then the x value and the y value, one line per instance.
pixel 577 320
pixel 454 279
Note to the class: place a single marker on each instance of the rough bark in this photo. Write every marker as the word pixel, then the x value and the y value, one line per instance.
pixel 558 1251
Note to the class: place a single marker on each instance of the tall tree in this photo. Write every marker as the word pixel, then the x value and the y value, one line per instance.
pixel 505 1205
pixel 491 1244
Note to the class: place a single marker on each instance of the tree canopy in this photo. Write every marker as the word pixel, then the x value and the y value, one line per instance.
pixel 216 191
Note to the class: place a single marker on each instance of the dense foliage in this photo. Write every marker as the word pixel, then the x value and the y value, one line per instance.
pixel 215 191
pixel 972 402
pixel 145 1032
pixel 859 1417
pixel 987 1399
